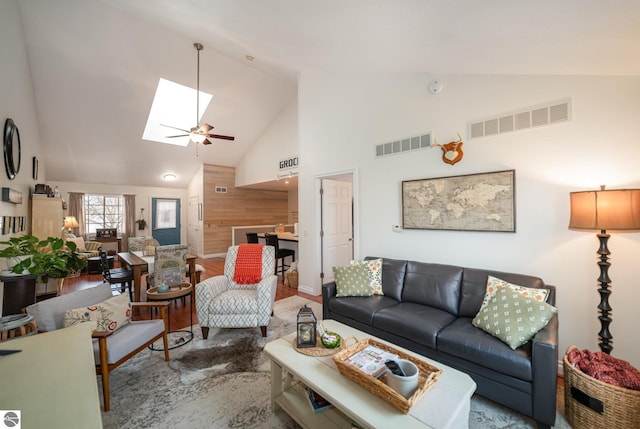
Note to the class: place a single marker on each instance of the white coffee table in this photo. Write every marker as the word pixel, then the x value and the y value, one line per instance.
pixel 444 406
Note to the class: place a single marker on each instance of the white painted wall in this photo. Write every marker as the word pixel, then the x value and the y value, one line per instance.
pixel 279 141
pixel 17 102
pixel 342 117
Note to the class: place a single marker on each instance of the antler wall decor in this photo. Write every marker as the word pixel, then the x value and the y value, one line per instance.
pixel 452 151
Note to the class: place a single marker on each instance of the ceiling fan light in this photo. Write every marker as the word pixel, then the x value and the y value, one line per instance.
pixel 198 138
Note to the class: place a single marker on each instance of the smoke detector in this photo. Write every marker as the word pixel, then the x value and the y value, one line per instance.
pixel 435 86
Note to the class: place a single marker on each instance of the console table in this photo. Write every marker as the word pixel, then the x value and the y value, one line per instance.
pixel 117 240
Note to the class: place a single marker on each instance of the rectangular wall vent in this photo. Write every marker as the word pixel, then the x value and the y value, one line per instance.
pixel 403 145
pixel 536 116
pixel 221 189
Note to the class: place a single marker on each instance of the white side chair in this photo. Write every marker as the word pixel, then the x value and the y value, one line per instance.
pixel 110 349
pixel 223 303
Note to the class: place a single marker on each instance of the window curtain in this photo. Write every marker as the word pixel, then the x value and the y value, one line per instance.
pixel 76 208
pixel 129 220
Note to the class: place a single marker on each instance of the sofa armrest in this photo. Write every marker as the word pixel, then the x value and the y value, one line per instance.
pixel 544 365
pixel 328 291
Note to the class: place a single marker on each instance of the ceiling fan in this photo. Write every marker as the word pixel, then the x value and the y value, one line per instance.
pixel 199 134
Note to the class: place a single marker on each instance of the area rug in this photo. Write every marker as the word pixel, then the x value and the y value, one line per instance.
pixel 224 382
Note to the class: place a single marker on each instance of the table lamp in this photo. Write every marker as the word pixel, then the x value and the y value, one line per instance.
pixel 70 222
pixel 605 210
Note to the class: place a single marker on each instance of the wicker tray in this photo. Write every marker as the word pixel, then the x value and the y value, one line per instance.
pixel 591 403
pixel 427 377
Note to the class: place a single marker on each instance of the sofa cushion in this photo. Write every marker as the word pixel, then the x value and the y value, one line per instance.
pixel 474 287
pixel 494 284
pixel 512 317
pixel 352 281
pixel 393 271
pixel 92 246
pixel 374 271
pixel 358 308
pixel 79 242
pixel 416 322
pixel 463 340
pixel 434 285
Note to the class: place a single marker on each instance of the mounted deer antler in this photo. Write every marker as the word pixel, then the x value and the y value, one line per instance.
pixel 452 151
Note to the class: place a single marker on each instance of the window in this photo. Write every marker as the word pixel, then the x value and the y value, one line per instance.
pixel 103 211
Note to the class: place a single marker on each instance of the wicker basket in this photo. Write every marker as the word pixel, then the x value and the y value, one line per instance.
pixel 427 377
pixel 291 279
pixel 590 403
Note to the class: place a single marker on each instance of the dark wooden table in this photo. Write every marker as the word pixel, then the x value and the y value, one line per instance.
pixel 140 267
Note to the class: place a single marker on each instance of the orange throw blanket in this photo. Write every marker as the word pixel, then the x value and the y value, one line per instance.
pixel 248 268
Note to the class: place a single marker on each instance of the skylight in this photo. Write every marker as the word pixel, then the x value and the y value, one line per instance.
pixel 173 105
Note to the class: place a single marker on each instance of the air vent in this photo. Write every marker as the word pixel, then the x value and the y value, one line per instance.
pixel 523 119
pixel 221 189
pixel 404 145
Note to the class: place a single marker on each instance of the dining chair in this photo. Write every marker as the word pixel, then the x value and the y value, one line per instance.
pixel 252 237
pixel 121 276
pixel 281 254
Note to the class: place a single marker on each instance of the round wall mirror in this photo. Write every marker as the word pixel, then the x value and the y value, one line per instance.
pixel 12 149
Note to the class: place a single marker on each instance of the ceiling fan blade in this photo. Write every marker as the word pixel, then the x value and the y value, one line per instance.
pixel 218 136
pixel 180 135
pixel 207 141
pixel 175 128
pixel 205 128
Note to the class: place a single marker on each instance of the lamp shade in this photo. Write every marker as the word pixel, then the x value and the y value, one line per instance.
pixel 70 222
pixel 616 209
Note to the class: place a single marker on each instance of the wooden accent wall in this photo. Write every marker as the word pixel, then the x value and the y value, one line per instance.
pixel 237 207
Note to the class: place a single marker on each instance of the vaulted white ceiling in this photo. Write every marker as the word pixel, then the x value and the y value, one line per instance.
pixel 96 63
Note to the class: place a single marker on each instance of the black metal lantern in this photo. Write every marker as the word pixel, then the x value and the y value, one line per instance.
pixel 306 328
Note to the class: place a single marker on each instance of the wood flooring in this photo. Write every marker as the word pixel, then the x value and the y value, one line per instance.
pixel 179 311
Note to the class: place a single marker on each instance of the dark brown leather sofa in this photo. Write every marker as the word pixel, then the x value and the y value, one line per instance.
pixel 428 308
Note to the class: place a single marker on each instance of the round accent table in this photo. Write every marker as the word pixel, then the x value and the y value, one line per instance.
pixel 17 325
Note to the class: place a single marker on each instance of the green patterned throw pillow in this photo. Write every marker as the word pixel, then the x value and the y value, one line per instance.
pixel 513 318
pixel 352 281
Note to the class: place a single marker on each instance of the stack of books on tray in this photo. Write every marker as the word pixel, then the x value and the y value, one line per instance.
pixel 317 402
pixel 371 360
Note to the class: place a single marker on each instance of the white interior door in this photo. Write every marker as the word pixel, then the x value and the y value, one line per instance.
pixel 337 226
pixel 194 223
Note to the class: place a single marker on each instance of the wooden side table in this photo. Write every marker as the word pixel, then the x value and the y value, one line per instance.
pixel 19 292
pixel 17 325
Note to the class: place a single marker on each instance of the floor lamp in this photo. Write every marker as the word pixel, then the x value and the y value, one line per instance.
pixel 605 210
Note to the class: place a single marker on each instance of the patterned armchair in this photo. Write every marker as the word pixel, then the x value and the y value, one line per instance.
pixel 223 303
pixel 169 266
pixel 137 244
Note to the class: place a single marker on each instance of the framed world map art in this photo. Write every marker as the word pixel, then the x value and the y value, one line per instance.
pixel 472 202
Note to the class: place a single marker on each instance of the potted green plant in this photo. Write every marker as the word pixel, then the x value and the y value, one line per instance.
pixel 52 257
pixel 142 224
pixel 18 249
